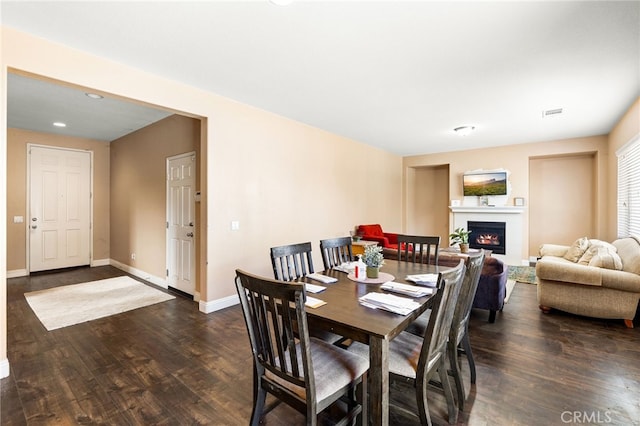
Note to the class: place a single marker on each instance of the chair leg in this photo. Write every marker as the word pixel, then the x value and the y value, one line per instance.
pixel 628 323
pixel 260 396
pixel 492 316
pixel 466 345
pixel 452 350
pixel 421 399
pixel 448 393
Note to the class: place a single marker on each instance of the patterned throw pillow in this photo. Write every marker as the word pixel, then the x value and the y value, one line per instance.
pixel 593 250
pixel 605 258
pixel 577 249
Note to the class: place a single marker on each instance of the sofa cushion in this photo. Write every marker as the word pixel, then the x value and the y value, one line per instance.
pixel 577 249
pixel 593 249
pixel 606 258
pixel 371 230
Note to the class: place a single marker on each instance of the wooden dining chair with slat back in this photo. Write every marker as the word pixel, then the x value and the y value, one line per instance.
pixel 291 262
pixel 420 249
pixel 306 373
pixel 336 251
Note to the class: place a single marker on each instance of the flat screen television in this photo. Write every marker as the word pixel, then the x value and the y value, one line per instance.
pixel 484 183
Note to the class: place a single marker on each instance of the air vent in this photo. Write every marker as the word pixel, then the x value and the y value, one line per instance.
pixel 551 112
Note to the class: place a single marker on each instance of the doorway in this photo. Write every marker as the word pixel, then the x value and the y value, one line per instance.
pixel 181 253
pixel 59 229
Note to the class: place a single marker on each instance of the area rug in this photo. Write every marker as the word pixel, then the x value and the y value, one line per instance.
pixel 522 274
pixel 73 304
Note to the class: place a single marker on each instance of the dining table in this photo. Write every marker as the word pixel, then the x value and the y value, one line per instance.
pixel 343 314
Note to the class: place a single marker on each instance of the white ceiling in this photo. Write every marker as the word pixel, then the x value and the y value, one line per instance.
pixel 396 75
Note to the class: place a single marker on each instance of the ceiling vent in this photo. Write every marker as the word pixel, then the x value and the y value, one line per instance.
pixel 551 112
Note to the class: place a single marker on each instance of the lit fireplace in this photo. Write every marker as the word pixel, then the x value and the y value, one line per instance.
pixel 488 235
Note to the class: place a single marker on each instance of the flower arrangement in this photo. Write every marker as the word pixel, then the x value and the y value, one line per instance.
pixel 372 256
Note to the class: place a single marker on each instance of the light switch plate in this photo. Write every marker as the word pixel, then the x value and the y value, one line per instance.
pixel 18 219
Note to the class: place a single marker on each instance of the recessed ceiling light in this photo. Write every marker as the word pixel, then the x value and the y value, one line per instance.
pixel 551 112
pixel 59 124
pixel 464 130
pixel 94 95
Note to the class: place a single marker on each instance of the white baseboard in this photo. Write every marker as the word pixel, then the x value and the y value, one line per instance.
pixel 160 282
pixel 100 262
pixel 4 368
pixel 17 273
pixel 216 305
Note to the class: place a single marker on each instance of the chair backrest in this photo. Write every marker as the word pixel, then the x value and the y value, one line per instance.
pixel 465 298
pixel 437 332
pixel 274 331
pixel 421 249
pixel 336 251
pixel 292 261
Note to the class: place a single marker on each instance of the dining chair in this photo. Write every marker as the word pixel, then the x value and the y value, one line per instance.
pixel 459 336
pixel 291 262
pixel 336 251
pixel 306 373
pixel 430 348
pixel 421 249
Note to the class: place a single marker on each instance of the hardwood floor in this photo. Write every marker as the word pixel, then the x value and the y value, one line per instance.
pixel 171 364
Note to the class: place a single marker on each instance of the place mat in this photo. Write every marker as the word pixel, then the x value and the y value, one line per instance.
pixel 383 277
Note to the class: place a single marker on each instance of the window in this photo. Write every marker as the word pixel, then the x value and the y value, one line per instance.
pixel 629 188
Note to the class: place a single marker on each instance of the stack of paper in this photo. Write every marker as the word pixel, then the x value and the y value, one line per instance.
pixel 312 302
pixel 389 302
pixel 312 288
pixel 428 280
pixel 322 278
pixel 409 290
pixel 347 267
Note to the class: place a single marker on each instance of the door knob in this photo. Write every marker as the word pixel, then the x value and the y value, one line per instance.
pixel 189 234
pixel 34 226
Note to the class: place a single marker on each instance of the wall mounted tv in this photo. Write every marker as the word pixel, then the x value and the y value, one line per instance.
pixel 484 183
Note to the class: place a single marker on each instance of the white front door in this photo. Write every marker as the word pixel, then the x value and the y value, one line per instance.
pixel 181 259
pixel 59 208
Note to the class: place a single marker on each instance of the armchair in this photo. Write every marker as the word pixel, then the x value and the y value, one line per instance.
pixel 374 233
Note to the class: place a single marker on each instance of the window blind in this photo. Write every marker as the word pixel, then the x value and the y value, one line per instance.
pixel 629 189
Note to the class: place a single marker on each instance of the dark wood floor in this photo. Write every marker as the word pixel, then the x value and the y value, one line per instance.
pixel 171 364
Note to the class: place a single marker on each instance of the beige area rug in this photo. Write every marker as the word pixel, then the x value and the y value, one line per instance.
pixel 73 304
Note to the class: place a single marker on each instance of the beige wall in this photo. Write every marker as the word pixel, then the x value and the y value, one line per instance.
pixel 138 190
pixel 17 140
pixel 626 129
pixel 428 201
pixel 265 171
pixel 515 158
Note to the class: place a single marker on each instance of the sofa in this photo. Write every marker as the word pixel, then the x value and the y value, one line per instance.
pixel 591 277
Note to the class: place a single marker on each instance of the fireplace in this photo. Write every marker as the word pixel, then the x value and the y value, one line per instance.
pixel 488 235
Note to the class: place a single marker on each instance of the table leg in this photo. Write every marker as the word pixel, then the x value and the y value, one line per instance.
pixel 379 381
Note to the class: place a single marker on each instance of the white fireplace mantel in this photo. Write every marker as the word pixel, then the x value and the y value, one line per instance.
pixel 511 215
pixel 487 209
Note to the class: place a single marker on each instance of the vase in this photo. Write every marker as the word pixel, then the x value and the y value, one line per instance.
pixel 464 248
pixel 372 272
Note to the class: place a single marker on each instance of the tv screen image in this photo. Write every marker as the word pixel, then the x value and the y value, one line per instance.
pixel 491 183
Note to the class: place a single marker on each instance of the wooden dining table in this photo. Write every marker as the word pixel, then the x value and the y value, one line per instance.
pixel 344 315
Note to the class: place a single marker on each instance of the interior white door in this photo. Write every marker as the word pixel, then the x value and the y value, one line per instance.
pixel 59 208
pixel 181 259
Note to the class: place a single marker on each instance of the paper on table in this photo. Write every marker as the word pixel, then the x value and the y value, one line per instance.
pixel 389 302
pixel 429 280
pixel 410 290
pixel 312 302
pixel 322 278
pixel 312 288
pixel 347 267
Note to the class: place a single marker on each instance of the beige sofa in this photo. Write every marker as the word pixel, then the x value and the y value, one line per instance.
pixel 591 278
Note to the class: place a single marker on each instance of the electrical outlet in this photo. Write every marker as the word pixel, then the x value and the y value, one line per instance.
pixel 235 225
pixel 133 256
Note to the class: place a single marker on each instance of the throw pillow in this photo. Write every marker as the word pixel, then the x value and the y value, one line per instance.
pixel 593 250
pixel 605 258
pixel 577 249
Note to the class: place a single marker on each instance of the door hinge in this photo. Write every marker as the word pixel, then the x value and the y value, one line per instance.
pixel 167 225
pixel 167 272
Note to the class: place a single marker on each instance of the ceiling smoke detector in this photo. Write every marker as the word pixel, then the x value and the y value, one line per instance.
pixel 551 112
